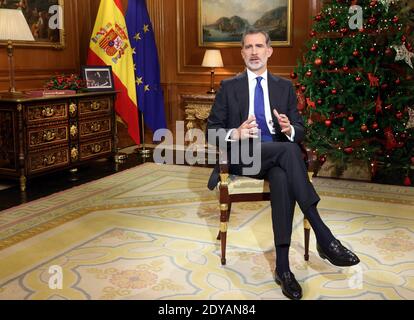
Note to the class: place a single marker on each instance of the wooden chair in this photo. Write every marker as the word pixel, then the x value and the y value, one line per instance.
pixel 234 188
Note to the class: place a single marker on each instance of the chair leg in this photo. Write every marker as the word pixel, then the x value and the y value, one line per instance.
pixel 307 229
pixel 224 218
pixel 227 220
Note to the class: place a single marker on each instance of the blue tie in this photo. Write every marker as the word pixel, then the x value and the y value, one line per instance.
pixel 259 111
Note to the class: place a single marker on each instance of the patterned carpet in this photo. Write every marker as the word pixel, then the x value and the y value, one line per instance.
pixel 149 233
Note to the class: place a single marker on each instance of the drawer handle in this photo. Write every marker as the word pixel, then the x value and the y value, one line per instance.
pixel 48 112
pixel 74 153
pixel 49 160
pixel 96 148
pixel 74 131
pixel 49 136
pixel 72 109
pixel 95 127
pixel 95 106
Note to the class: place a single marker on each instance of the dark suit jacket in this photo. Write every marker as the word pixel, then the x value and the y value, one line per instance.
pixel 231 109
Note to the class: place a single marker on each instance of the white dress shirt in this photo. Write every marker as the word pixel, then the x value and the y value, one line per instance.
pixel 268 110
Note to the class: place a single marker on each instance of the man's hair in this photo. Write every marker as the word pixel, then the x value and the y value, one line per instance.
pixel 253 30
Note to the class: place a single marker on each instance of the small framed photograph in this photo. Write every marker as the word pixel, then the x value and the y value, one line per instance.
pixel 98 78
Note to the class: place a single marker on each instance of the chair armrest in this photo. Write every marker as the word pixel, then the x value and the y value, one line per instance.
pixel 223 167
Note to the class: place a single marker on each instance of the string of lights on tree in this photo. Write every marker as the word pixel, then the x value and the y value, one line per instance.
pixel 355 88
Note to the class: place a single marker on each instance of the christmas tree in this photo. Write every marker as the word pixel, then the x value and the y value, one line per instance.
pixel 355 87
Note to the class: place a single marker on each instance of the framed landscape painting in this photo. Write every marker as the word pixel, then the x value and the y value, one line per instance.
pixel 221 23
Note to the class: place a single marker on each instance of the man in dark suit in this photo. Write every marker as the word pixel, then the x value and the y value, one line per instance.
pixel 257 106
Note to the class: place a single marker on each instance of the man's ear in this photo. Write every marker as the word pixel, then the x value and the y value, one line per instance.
pixel 269 52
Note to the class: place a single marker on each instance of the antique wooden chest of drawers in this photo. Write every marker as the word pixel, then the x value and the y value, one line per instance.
pixel 41 135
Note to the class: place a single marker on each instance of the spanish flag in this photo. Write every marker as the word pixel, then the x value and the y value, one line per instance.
pixel 110 46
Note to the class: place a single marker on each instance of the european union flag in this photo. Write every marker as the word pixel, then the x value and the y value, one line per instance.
pixel 147 69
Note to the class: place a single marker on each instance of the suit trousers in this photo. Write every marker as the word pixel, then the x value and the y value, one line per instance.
pixel 283 166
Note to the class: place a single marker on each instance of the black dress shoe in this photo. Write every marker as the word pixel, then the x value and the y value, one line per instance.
pixel 290 287
pixel 337 254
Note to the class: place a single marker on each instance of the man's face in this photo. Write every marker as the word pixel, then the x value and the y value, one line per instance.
pixel 255 52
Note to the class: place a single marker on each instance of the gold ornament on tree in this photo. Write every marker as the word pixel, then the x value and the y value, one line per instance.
pixel 410 123
pixel 386 3
pixel 403 54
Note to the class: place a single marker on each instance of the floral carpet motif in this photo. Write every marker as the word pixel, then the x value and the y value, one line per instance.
pixel 150 233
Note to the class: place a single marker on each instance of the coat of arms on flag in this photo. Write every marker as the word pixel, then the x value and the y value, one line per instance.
pixel 112 40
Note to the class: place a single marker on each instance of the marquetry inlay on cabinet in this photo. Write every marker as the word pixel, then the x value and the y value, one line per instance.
pixel 41 135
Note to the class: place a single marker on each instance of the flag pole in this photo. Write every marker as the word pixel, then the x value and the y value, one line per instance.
pixel 142 150
pixel 120 157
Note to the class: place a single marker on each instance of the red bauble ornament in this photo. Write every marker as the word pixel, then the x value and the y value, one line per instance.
pixel 345 68
pixel 384 86
pixel 355 53
pixel 358 79
pixel 344 30
pixel 349 150
pixel 374 126
pixel 372 50
pixel 314 47
pixel 303 88
pixel 332 22
pixel 407 181
pixel 351 119
pixel 322 159
pixel 328 123
pixel 364 128
pixel 312 33
pixel 332 62
pixel 398 81
pixel 342 129
pixel 395 19
pixel 323 82
pixel 293 75
pixel 399 115
pixel 388 52
pixel 334 91
pixel 318 61
pixel 372 20
pixel 319 101
pixel 318 17
pixel 309 73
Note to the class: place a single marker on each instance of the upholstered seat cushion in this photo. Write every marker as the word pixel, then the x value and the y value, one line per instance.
pixel 240 185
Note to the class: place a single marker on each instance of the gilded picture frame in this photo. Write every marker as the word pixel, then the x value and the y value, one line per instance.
pixel 45 20
pixel 221 24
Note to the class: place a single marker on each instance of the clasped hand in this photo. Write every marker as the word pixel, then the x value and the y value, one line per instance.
pixel 249 128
